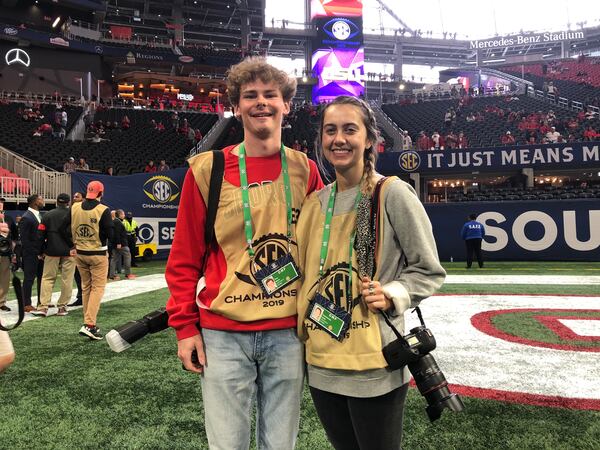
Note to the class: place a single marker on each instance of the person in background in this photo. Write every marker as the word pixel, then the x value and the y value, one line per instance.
pixel 70 166
pixel 473 233
pixel 132 230
pixel 82 164
pixel 58 258
pixel 6 253
pixel 91 227
pixel 120 249
pixel 163 166
pixel 77 198
pixel 150 167
pixel 33 262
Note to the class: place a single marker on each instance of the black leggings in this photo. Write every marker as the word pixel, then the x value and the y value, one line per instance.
pixel 351 423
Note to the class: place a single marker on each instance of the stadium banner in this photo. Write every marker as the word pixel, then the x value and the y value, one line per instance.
pixel 152 198
pixel 572 155
pixel 550 230
pixel 500 43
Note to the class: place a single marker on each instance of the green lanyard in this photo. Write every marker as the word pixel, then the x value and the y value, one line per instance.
pixel 327 230
pixel 246 199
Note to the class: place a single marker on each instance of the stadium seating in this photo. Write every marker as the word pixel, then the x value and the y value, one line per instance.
pixel 518 194
pixel 429 117
pixel 127 151
pixel 582 88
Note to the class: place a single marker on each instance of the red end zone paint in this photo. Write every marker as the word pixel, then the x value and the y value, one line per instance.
pixel 483 322
pixel 564 332
pixel 550 401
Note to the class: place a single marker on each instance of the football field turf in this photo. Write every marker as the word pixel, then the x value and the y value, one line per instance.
pixel 524 357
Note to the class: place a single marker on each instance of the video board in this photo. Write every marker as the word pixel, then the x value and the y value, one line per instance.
pixel 338 58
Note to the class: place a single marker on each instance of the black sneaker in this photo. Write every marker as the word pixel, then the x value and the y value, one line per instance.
pixel 91 332
pixel 5 308
pixel 77 302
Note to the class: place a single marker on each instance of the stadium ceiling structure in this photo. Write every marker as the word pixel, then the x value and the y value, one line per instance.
pixel 230 24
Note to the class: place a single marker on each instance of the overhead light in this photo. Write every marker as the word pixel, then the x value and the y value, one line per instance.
pixel 494 60
pixel 304 79
pixel 401 87
pixel 56 22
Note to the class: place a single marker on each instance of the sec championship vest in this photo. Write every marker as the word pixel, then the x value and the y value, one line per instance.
pixel 85 227
pixel 232 287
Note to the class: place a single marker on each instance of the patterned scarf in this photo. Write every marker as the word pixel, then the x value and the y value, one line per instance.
pixel 365 238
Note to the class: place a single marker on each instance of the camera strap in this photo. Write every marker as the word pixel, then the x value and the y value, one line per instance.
pixel 374 226
pixel 19 294
pixel 214 194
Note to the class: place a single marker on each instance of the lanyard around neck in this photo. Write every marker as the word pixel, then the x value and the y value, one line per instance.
pixel 246 197
pixel 327 230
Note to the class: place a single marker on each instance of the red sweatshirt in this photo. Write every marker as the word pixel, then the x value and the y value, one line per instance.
pixel 220 309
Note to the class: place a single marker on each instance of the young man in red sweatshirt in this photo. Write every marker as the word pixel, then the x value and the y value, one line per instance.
pixel 241 325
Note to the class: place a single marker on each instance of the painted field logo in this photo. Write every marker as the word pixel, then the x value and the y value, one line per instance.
pixel 409 161
pixel 161 189
pixel 561 329
pixel 540 350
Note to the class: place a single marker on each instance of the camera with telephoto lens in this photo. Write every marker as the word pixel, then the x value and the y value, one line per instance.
pixel 413 350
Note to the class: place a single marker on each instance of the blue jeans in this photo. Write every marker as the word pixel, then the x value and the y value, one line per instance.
pixel 243 366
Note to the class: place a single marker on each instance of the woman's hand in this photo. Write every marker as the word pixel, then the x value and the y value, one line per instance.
pixel 373 296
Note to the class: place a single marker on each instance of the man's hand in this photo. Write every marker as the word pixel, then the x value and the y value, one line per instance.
pixel 73 252
pixel 185 347
pixel 118 246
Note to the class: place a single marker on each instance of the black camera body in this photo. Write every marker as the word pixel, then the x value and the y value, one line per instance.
pixel 413 350
pixel 5 246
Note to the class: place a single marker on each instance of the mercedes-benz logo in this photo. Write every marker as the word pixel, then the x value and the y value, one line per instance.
pixel 99 49
pixel 17 56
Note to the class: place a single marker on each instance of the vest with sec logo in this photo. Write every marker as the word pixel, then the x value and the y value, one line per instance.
pixel 361 348
pixel 239 297
pixel 85 227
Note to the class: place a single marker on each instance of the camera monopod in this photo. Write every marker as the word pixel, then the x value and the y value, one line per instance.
pixel 122 337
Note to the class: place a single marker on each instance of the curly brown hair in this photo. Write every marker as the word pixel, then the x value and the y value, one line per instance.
pixel 256 68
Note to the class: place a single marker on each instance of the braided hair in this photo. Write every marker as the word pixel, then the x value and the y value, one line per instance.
pixel 368 180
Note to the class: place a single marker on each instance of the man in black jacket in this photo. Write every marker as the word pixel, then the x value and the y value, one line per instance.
pixel 33 264
pixel 56 247
pixel 120 248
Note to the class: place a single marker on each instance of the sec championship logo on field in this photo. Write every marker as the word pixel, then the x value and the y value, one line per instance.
pixel 409 161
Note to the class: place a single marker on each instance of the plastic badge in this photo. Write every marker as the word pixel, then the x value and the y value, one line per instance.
pixel 329 317
pixel 278 275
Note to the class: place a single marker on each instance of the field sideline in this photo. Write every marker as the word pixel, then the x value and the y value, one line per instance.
pixel 501 352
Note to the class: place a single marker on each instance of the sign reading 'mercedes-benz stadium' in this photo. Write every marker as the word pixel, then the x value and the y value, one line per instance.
pixel 526 39
pixel 571 155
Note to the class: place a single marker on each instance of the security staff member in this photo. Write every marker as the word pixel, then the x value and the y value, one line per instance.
pixel 131 227
pixel 473 233
pixel 91 227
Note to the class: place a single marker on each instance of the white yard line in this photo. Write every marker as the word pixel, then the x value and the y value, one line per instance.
pixel 522 279
pixel 114 290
